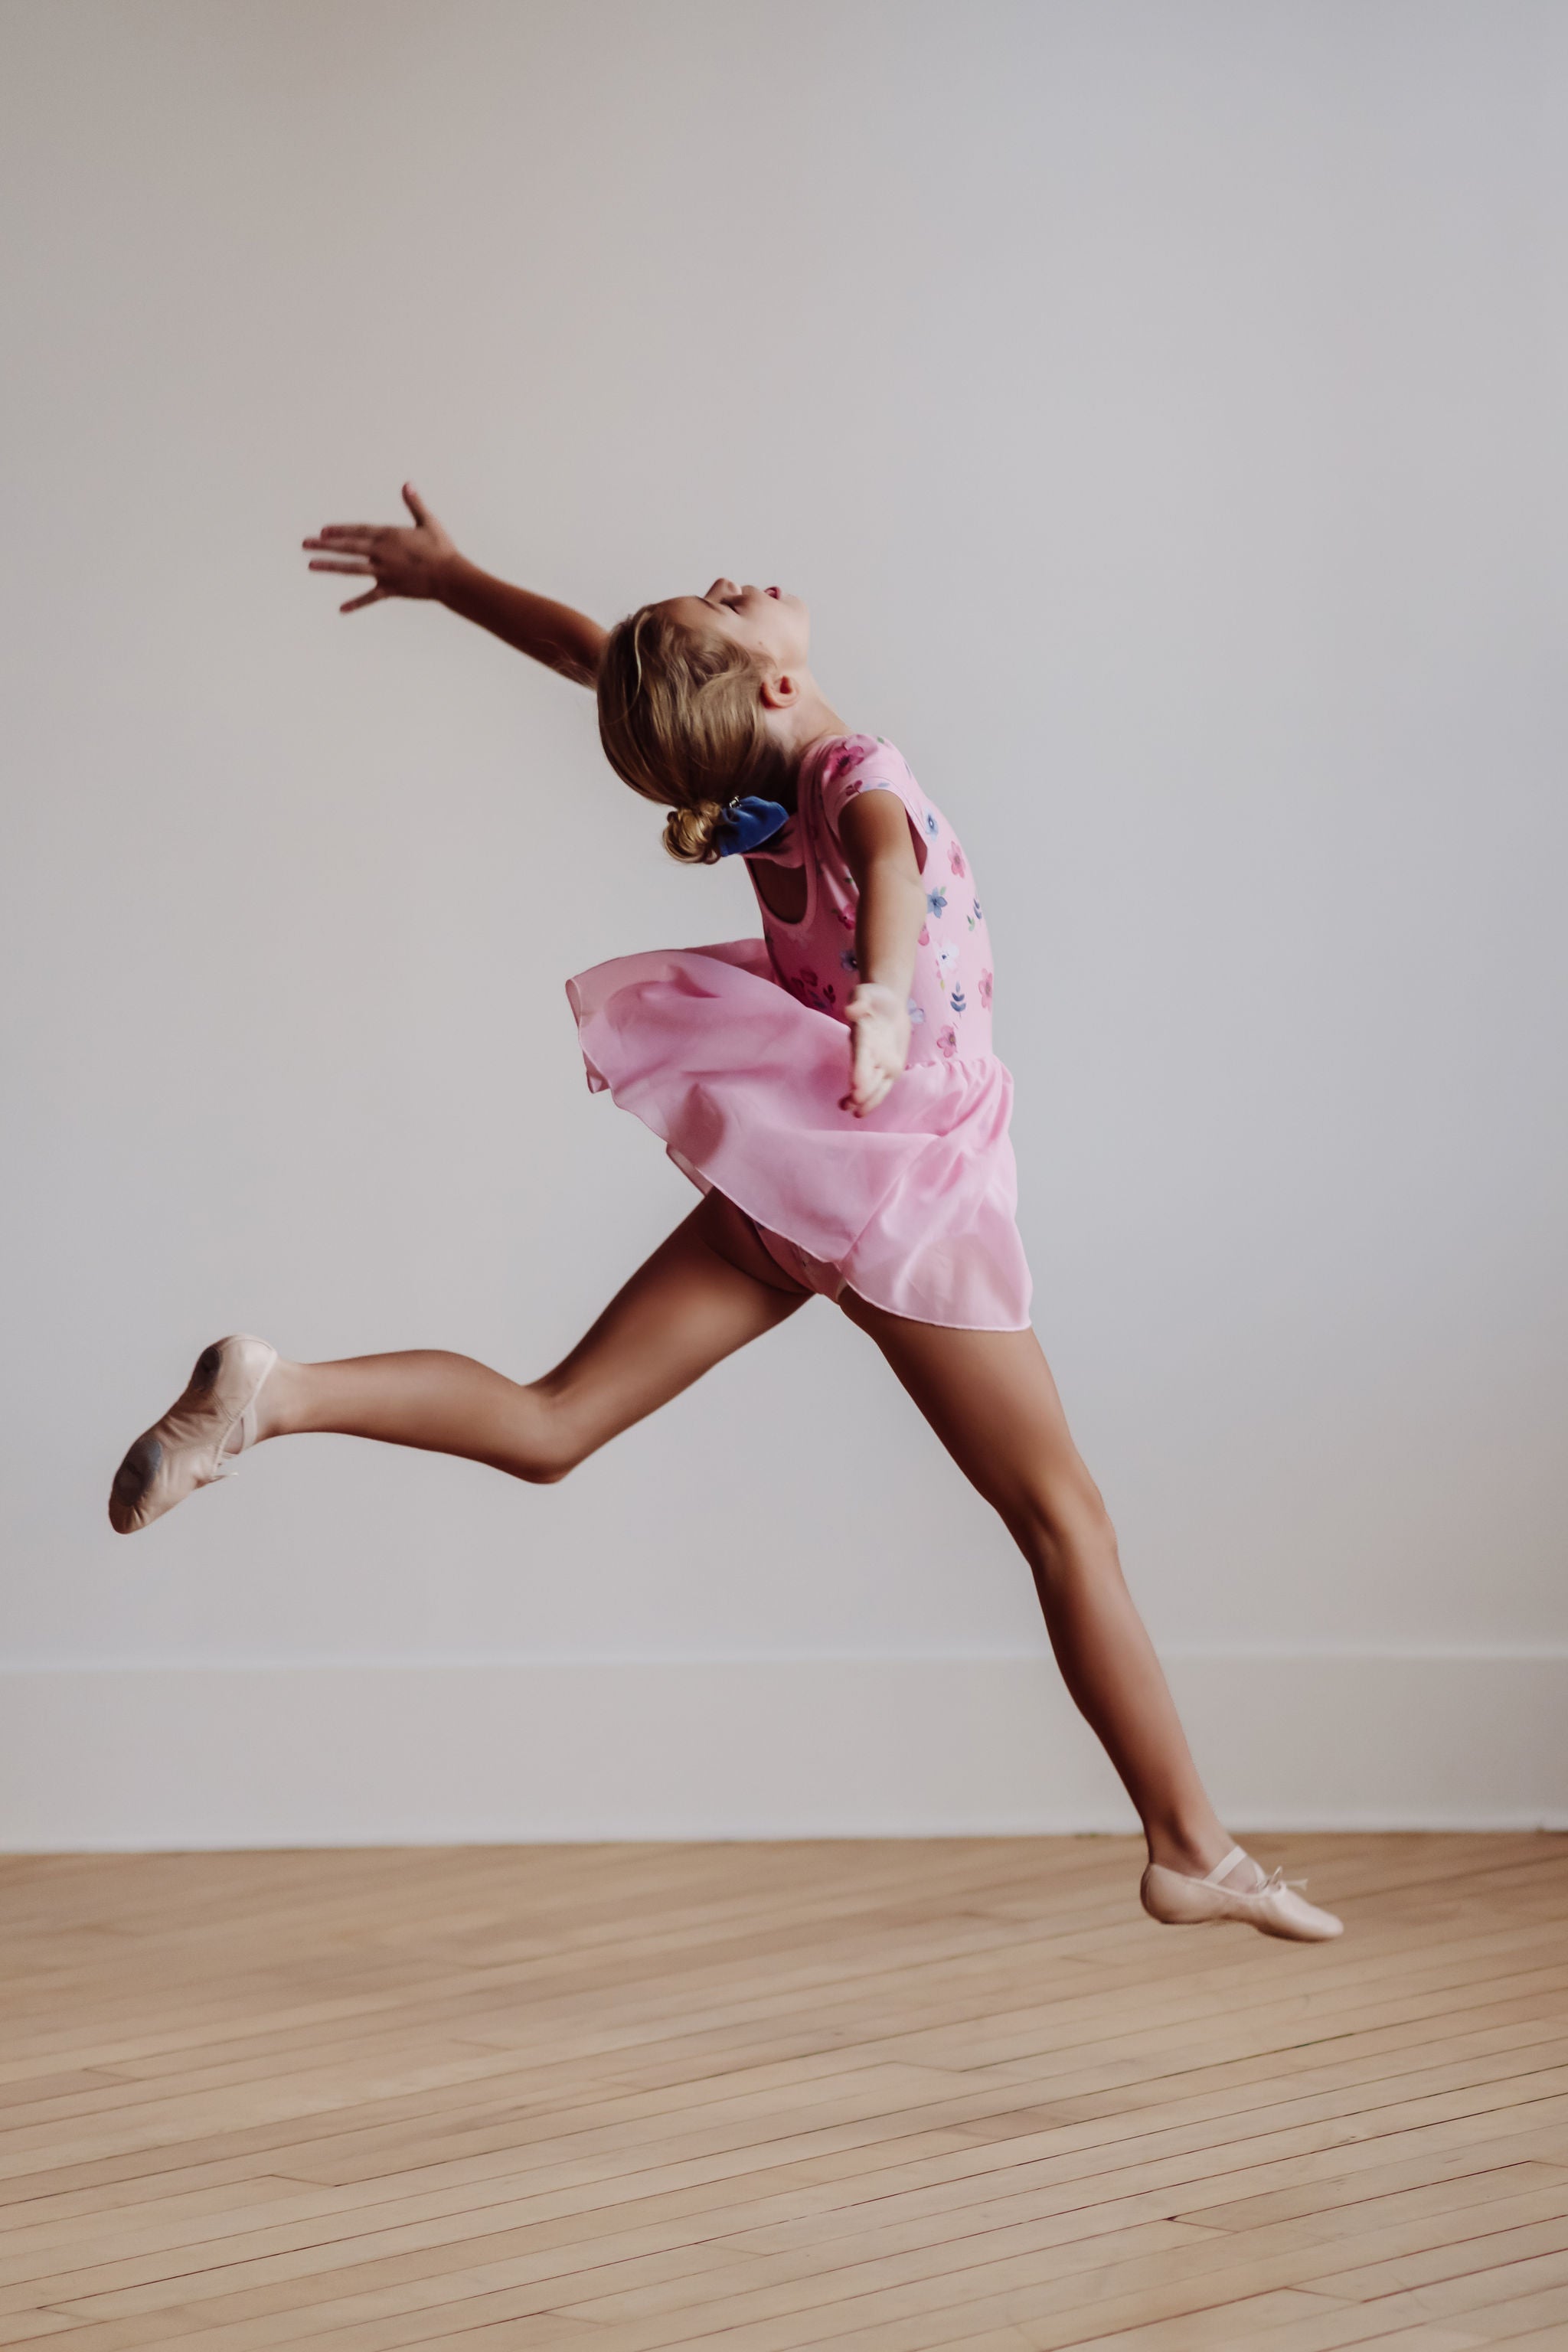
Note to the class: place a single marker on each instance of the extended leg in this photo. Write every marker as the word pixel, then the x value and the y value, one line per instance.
pixel 990 1398
pixel 705 1291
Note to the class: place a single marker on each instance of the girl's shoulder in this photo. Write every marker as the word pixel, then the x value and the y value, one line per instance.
pixel 850 764
pixel 846 764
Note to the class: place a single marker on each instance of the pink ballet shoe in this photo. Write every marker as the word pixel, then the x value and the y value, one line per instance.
pixel 190 1447
pixel 1272 1904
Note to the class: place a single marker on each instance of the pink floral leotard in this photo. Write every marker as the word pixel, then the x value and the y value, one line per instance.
pixel 736 1056
pixel 950 1001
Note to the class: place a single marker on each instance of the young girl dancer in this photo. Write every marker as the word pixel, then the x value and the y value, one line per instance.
pixel 831 1090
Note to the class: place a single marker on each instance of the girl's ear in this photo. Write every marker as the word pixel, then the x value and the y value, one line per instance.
pixel 780 689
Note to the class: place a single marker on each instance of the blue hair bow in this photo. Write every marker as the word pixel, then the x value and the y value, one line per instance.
pixel 747 824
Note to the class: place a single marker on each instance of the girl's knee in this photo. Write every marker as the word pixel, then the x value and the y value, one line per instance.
pixel 551 1444
pixel 536 1470
pixel 1063 1524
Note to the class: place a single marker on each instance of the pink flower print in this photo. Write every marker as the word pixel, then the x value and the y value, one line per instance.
pixel 947 1041
pixel 985 986
pixel 955 860
pixel 847 916
pixel 805 986
pixel 846 755
pixel 924 939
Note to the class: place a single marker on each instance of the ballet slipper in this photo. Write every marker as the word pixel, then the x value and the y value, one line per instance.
pixel 1272 1904
pixel 190 1446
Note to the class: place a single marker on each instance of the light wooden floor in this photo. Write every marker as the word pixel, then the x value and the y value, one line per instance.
pixel 872 2096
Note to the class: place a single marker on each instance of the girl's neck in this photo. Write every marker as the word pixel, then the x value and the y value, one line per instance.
pixel 813 721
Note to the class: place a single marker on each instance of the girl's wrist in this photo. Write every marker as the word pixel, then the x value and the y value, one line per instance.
pixel 450 572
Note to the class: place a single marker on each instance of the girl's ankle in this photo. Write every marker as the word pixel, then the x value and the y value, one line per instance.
pixel 275 1399
pixel 1191 1853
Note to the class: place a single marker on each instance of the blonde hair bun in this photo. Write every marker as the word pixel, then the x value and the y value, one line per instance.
pixel 692 834
pixel 682 720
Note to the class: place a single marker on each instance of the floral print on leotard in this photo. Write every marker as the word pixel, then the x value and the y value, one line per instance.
pixel 951 994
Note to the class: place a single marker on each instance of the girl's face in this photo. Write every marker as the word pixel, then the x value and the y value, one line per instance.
pixel 772 624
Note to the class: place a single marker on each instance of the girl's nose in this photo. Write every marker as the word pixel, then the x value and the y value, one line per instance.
pixel 723 588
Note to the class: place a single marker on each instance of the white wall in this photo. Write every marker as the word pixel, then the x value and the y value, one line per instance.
pixel 1161 407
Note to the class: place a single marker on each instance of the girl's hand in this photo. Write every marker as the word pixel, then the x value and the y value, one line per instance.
pixel 880 1021
pixel 402 561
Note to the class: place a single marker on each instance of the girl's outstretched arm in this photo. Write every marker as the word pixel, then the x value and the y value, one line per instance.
pixel 420 560
pixel 875 831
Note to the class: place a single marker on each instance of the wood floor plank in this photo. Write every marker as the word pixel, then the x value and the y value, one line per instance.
pixel 31 2327
pixel 1282 2257
pixel 1286 2322
pixel 1461 2257
pixel 1510 2300
pixel 879 2096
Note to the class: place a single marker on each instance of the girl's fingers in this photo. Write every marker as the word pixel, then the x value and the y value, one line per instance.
pixel 358 604
pixel 335 533
pixel 863 1078
pixel 884 1079
pixel 415 503
pixel 360 570
pixel 872 1071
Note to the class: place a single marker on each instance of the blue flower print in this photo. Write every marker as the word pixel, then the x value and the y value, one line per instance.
pixel 936 901
pixel 847 958
pixel 915 1014
pixel 978 915
pixel 958 1000
pixel 931 826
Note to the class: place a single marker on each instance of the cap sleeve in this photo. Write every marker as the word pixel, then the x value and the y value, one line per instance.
pixel 862 764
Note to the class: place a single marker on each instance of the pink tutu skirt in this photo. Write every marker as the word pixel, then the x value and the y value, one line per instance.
pixel 913 1207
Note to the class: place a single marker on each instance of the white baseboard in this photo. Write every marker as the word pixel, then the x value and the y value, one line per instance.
pixel 155 1757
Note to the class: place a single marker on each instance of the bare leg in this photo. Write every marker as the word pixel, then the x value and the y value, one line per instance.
pixel 990 1398
pixel 705 1291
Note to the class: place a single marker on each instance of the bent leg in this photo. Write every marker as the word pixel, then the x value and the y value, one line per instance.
pixel 991 1399
pixel 707 1290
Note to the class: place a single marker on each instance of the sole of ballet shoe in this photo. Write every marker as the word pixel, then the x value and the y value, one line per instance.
pixel 189 1446
pixel 1273 1908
